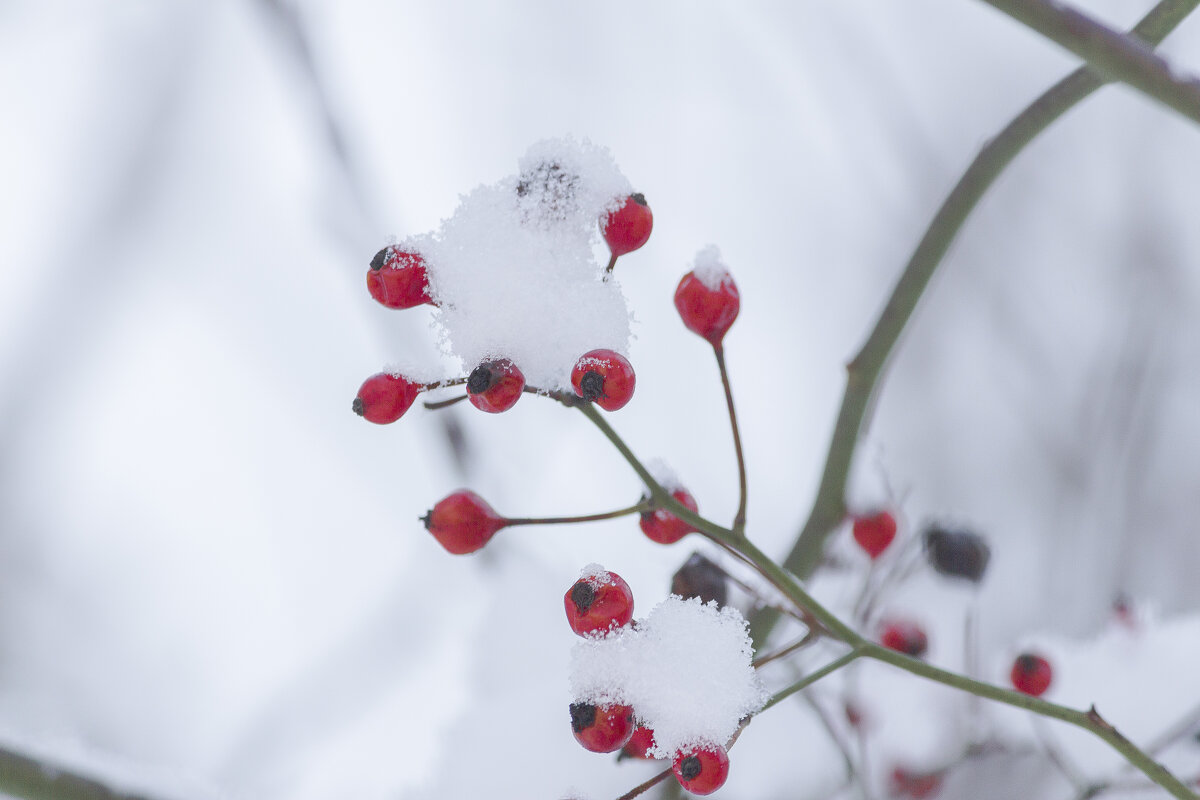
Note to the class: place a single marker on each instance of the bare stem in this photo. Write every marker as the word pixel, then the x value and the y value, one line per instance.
pixel 739 519
pixel 637 508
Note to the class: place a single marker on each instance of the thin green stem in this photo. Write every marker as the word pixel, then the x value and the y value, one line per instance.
pixel 866 368
pixel 739 519
pixel 811 678
pixel 1111 54
pixel 23 776
pixel 638 508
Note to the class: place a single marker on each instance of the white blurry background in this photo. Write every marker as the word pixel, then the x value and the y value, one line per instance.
pixel 214 582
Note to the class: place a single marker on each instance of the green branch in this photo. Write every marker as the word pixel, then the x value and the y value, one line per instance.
pixel 22 776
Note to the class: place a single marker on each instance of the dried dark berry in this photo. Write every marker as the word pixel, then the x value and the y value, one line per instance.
pixel 957 553
pixel 700 577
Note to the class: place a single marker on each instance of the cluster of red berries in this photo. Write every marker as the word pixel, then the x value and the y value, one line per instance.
pixel 597 604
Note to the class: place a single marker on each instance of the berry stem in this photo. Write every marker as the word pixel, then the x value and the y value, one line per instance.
pixel 612 262
pixel 866 369
pixel 639 508
pixel 787 650
pixel 739 519
pixel 434 406
pixel 813 677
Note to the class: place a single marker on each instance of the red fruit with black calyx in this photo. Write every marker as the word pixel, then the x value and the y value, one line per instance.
pixel 905 637
pixel 398 278
pixel 915 784
pixel 604 377
pixel 628 228
pixel 700 577
pixel 874 532
pixel 463 522
pixel 708 303
pixel 661 526
pixel 701 771
pixel 495 386
pixel 383 398
pixel 640 744
pixel 598 602
pixel 1031 674
pixel 601 729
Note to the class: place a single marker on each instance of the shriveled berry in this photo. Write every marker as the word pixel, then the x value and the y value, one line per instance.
pixel 601 729
pixel 398 278
pixel 917 785
pixel 904 636
pixel 463 522
pixel 703 770
pixel 874 532
pixel 957 553
pixel 700 577
pixel 495 386
pixel 604 377
pixel 598 602
pixel 383 398
pixel 1031 674
pixel 628 228
pixel 640 743
pixel 708 303
pixel 664 527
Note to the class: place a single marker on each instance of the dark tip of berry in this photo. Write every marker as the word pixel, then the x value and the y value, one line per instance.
pixel 379 259
pixel 639 198
pixel 358 406
pixel 480 379
pixel 583 716
pixel 582 595
pixel 690 768
pixel 1026 662
pixel 426 519
pixel 592 385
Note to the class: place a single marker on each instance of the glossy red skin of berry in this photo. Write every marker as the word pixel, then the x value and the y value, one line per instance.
pixel 875 532
pixel 601 729
pixel 904 637
pixel 664 527
pixel 628 228
pixel 707 312
pixel 701 771
pixel 398 279
pixel 463 522
pixel 614 386
pixel 915 784
pixel 640 743
pixel 384 398
pixel 502 384
pixel 598 603
pixel 1031 674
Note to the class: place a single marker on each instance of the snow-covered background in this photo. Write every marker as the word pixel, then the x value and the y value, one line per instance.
pixel 214 583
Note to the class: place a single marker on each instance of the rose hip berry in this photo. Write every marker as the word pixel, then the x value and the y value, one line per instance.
pixel 604 377
pixel 463 522
pixel 598 602
pixel 628 228
pixel 905 637
pixel 701 771
pixel 601 729
pixel 664 527
pixel 640 744
pixel 708 302
pixel 1031 674
pixel 398 279
pixel 915 784
pixel 384 398
pixel 875 532
pixel 495 386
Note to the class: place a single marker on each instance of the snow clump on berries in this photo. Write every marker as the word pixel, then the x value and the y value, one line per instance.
pixel 685 669
pixel 514 272
pixel 709 269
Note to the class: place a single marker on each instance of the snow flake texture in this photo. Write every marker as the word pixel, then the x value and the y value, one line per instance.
pixel 685 669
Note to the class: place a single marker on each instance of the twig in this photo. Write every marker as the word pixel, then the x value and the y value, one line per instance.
pixel 739 519
pixel 23 776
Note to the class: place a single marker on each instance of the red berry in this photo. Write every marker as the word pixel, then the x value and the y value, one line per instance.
pixel 664 527
pixel 397 278
pixel 601 729
pixel 708 304
pixel 604 377
pixel 628 228
pixel 701 771
pixel 463 522
pixel 640 744
pixel 904 636
pixel 598 602
pixel 915 784
pixel 384 398
pixel 1031 674
pixel 495 386
pixel 875 533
